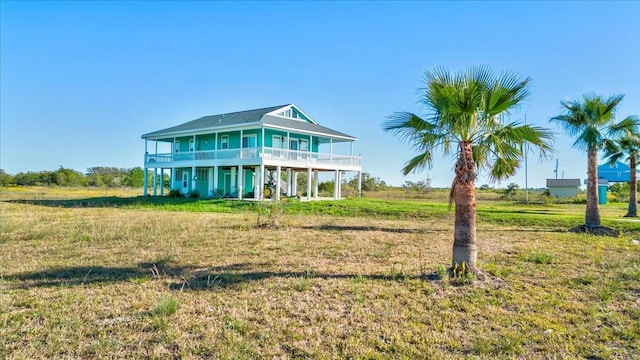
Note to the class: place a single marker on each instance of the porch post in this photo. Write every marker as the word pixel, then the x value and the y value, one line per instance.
pixel 315 178
pixel 257 190
pixel 171 179
pixel 294 183
pixel 155 181
pixel 145 175
pixel 161 181
pixel 193 177
pixel 241 144
pixel 289 187
pixel 278 170
pixel 331 151
pixel 215 177
pixel 232 186
pixel 211 181
pixel 336 185
pixel 308 183
pixel 240 181
pixel 359 183
pixel 261 182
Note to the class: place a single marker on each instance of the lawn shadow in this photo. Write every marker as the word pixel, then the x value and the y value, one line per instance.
pixel 181 276
pixel 115 201
pixel 372 228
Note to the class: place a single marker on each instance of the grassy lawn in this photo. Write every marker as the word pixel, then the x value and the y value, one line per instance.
pixel 106 274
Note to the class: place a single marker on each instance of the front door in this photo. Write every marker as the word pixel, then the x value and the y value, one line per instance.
pixel 185 182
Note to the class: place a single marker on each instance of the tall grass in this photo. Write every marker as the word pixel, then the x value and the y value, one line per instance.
pixel 111 279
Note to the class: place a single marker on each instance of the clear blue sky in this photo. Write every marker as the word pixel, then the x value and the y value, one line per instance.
pixel 81 81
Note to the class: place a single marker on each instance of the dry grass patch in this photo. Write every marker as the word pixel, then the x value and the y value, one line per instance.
pixel 127 283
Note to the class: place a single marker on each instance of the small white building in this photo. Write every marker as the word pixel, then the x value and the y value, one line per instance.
pixel 563 188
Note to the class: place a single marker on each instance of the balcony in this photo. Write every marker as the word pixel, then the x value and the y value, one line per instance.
pixel 267 156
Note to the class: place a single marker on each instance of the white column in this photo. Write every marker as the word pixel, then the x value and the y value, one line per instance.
pixel 336 187
pixel 171 178
pixel 257 190
pixel 155 181
pixel 359 183
pixel 278 175
pixel 193 176
pixel 241 144
pixel 308 183
pixel 240 181
pixel 233 178
pixel 215 176
pixel 145 175
pixel 289 187
pixel 315 178
pixel 161 181
pixel 211 181
pixel 261 182
pixel 294 183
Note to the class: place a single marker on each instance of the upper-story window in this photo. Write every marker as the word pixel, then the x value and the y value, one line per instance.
pixel 176 146
pixel 249 141
pixel 290 113
pixel 224 142
pixel 191 145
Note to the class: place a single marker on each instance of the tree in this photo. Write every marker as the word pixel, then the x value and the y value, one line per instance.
pixel 467 115
pixel 591 122
pixel 6 179
pixel 628 146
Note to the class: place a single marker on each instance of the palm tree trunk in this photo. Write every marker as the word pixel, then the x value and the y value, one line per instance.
pixel 464 239
pixel 633 186
pixel 592 215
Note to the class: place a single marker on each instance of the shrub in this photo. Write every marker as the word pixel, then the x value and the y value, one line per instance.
pixel 175 193
pixel 194 194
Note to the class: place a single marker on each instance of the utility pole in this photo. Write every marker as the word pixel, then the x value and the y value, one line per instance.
pixel 526 172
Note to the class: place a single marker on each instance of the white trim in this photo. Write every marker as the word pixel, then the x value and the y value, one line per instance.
pixel 285 108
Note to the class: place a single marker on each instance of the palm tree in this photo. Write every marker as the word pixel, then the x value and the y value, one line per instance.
pixel 591 122
pixel 466 115
pixel 628 146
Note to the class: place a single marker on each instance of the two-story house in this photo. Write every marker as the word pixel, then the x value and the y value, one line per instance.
pixel 242 154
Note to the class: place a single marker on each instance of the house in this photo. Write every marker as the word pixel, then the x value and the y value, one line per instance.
pixel 618 172
pixel 565 188
pixel 242 154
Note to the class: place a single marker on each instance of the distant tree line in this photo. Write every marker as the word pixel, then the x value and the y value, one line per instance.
pixel 95 176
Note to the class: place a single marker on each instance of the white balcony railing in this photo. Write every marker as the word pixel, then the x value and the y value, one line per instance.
pixel 303 157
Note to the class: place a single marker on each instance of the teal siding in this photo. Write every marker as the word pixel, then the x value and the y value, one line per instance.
pixel 205 142
pixel 208 141
pixel 248 182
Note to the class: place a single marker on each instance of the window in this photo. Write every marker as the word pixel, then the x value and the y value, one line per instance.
pixel 191 147
pixel 224 142
pixel 304 145
pixel 177 146
pixel 249 141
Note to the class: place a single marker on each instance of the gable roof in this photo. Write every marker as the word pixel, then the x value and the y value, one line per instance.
pixel 248 117
pixel 617 167
pixel 563 182
pixel 212 121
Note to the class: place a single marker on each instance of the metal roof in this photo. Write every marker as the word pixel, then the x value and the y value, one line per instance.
pixel 563 182
pixel 246 117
